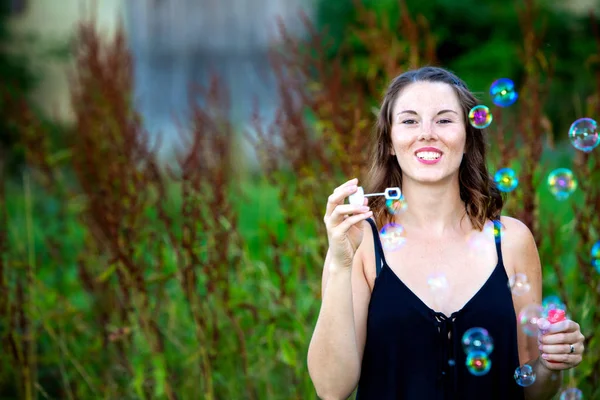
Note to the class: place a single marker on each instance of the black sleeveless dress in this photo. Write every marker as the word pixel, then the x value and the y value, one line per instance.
pixel 409 355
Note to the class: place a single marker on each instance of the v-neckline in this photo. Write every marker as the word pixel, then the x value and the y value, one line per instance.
pixel 429 309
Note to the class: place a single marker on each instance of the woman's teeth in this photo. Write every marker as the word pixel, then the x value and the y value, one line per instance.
pixel 428 155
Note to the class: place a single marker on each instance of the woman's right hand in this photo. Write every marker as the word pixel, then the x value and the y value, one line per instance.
pixel 344 224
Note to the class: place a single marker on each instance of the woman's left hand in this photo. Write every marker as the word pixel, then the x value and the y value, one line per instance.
pixel 561 344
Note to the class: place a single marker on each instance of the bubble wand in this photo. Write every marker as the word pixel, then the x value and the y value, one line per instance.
pixel 358 198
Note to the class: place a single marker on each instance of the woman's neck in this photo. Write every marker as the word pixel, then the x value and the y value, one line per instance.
pixel 434 208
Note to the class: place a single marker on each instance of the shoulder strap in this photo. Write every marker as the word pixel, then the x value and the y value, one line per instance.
pixel 379 258
pixel 498 238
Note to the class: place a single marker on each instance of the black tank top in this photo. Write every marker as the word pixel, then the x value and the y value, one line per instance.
pixel 409 354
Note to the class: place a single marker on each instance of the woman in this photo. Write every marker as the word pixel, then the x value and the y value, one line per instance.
pixel 380 326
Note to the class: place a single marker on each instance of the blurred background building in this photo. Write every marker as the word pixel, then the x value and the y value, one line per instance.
pixel 174 43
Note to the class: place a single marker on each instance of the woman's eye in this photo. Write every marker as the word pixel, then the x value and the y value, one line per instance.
pixel 409 121
pixel 445 121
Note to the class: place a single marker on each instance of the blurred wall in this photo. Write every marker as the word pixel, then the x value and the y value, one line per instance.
pixel 51 25
pixel 174 42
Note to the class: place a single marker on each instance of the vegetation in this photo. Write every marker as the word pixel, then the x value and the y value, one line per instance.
pixel 125 278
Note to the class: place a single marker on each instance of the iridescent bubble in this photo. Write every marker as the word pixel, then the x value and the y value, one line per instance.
pixel 562 183
pixel 528 318
pixel 595 253
pixel 571 394
pixel 438 284
pixel 503 92
pixel 477 339
pixel 552 302
pixel 478 241
pixel 524 376
pixel 478 363
pixel 480 117
pixel 392 236
pixel 519 284
pixel 396 206
pixel 583 134
pixel 506 180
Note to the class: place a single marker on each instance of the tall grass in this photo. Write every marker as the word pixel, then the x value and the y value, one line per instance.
pixel 125 278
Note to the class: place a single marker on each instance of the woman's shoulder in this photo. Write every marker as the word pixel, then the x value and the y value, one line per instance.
pixel 514 230
pixel 519 249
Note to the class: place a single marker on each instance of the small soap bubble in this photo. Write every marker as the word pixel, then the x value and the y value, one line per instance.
pixel 506 180
pixel 478 241
pixel 562 183
pixel 477 339
pixel 480 117
pixel 439 288
pixel 595 254
pixel 437 282
pixel 519 284
pixel 478 363
pixel 550 303
pixel 451 362
pixel 528 318
pixel 392 236
pixel 583 134
pixel 571 394
pixel 503 92
pixel 524 376
pixel 396 206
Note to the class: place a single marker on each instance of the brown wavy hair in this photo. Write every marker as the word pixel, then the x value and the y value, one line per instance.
pixel 478 190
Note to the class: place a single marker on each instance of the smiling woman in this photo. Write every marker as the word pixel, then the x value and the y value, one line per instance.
pixel 384 326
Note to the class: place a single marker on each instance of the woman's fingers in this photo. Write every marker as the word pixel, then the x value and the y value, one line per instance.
pixel 339 212
pixel 339 195
pixel 561 348
pixel 561 338
pixel 343 227
pixel 569 360
pixel 351 182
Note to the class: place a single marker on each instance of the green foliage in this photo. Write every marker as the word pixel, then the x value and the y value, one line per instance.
pixel 481 42
pixel 126 279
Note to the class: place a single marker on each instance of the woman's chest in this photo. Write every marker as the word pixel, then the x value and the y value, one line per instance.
pixel 444 275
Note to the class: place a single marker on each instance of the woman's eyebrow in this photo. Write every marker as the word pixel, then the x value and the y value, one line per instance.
pixel 415 113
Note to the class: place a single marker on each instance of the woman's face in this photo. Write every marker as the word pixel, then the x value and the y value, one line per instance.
pixel 428 132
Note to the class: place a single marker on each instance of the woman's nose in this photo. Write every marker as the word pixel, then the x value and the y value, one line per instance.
pixel 427 132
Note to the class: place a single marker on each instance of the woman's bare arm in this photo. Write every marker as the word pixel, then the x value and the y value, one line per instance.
pixel 336 349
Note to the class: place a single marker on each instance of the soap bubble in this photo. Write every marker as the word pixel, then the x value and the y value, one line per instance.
pixel 562 183
pixel 571 394
pixel 477 339
pixel 524 376
pixel 480 117
pixel 595 253
pixel 528 318
pixel 438 284
pixel 392 236
pixel 506 180
pixel 503 92
pixel 552 302
pixel 396 206
pixel 583 134
pixel 519 284
pixel 478 363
